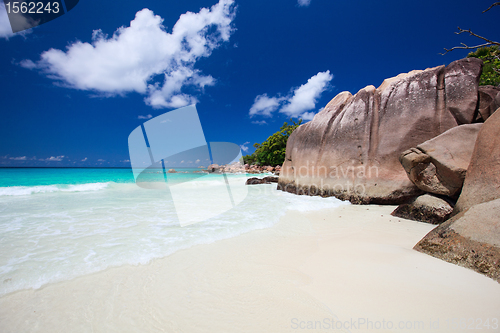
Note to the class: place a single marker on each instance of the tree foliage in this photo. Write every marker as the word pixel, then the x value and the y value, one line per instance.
pixel 491 61
pixel 272 151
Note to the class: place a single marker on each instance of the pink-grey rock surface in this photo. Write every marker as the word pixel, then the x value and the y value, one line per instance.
pixel 471 238
pixel 489 101
pixel 425 208
pixel 351 148
pixel 482 181
pixel 439 165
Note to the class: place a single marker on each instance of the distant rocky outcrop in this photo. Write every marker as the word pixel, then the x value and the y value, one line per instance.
pixel 471 238
pixel 351 148
pixel 439 165
pixel 213 168
pixel 262 169
pixel 237 167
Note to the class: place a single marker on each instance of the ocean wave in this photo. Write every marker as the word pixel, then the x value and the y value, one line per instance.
pixel 28 190
pixel 85 187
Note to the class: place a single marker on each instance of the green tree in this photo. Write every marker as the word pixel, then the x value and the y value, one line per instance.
pixel 491 61
pixel 250 159
pixel 272 151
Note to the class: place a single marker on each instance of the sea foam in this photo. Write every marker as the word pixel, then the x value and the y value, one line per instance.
pixel 59 232
pixel 27 190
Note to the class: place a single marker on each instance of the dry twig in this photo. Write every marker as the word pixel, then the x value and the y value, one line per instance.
pixel 466 47
pixel 493 5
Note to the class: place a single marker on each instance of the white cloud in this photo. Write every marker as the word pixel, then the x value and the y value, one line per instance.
pixel 22 158
pixel 101 160
pixel 264 105
pixel 298 102
pixel 244 146
pixel 84 159
pixel 53 159
pixel 305 97
pixel 259 122
pixel 304 3
pixel 306 116
pixel 28 64
pixel 144 51
pixel 145 117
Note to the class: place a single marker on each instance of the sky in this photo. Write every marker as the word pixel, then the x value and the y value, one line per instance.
pixel 73 89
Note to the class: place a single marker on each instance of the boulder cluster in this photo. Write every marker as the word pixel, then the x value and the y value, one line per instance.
pixel 246 168
pixel 427 141
pixel 263 169
pixel 471 237
pixel 351 148
pixel 228 168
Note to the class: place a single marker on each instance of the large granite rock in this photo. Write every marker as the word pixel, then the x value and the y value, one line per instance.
pixel 351 148
pixel 425 208
pixel 482 182
pixel 489 101
pixel 471 238
pixel 439 165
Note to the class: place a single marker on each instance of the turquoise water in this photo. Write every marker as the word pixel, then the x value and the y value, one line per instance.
pixel 50 176
pixel 62 176
pixel 58 224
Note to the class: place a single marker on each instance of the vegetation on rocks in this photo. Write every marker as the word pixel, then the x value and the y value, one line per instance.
pixel 272 151
pixel 491 64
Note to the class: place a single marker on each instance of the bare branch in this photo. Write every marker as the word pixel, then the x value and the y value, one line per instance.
pixel 475 35
pixel 465 47
pixel 493 5
pixel 489 42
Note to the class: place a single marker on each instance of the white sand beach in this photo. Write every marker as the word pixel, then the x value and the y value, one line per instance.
pixel 348 269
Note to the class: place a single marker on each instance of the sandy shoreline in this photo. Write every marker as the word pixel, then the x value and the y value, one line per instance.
pixel 351 265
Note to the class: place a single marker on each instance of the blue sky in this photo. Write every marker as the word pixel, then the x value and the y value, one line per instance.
pixel 73 89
